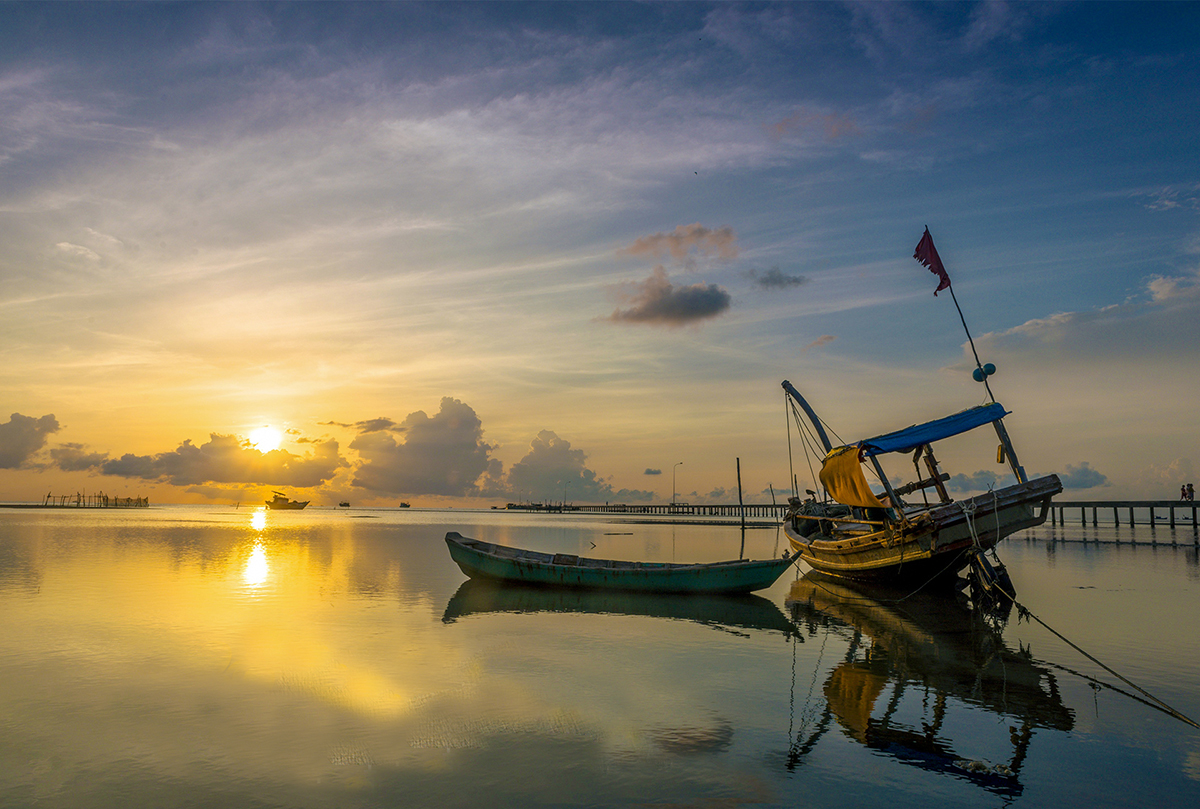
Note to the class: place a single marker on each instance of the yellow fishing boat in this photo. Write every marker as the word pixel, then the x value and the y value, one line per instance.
pixel 854 532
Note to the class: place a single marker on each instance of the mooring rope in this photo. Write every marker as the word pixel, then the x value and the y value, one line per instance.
pixel 1023 611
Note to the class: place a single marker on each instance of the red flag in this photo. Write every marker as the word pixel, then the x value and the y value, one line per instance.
pixel 927 254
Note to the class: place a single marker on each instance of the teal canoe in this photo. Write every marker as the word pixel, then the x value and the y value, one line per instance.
pixel 485 560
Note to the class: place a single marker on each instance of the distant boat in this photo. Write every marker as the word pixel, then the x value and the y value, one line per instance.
pixel 484 560
pixel 403 505
pixel 281 502
pixel 344 504
pixel 856 533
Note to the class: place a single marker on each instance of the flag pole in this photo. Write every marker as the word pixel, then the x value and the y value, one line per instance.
pixel 927 254
pixel 978 364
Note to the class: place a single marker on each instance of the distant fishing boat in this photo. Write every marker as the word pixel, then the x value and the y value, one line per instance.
pixel 856 533
pixel 485 560
pixel 279 501
pixel 344 504
pixel 403 505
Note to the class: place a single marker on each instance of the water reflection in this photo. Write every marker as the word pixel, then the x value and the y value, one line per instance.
pixel 915 670
pixel 256 570
pixel 720 612
pixel 258 520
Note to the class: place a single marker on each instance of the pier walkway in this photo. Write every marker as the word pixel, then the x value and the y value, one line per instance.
pixel 774 511
pixel 1172 513
pixel 1125 512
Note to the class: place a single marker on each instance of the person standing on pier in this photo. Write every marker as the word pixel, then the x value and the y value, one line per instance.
pixel 1183 492
pixel 1191 493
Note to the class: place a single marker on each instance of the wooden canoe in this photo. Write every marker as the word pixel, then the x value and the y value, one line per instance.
pixel 485 560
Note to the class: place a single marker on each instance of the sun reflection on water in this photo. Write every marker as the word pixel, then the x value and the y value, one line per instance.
pixel 257 570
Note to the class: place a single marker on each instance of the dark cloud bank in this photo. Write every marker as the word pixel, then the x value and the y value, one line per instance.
pixel 443 455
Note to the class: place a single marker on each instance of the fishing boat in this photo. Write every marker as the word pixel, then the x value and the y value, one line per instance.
pixel 279 501
pixel 485 560
pixel 854 532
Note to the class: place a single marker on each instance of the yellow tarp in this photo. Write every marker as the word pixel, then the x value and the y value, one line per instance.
pixel 842 477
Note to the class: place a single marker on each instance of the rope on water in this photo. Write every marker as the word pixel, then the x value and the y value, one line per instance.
pixel 1024 612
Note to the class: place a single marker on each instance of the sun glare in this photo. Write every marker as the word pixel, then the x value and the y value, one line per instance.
pixel 265 439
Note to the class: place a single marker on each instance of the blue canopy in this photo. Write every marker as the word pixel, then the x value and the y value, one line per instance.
pixel 912 437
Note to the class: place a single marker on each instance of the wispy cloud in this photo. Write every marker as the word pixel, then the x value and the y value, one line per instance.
pixel 685 240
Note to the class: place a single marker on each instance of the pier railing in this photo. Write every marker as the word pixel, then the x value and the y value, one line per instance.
pixel 772 510
pixel 1125 512
pixel 1172 513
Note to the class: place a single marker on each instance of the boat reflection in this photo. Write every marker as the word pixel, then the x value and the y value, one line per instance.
pixel 477 597
pixel 915 667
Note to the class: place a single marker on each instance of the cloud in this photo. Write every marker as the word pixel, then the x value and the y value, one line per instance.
pixel 21 438
pixel 680 243
pixel 774 279
pixel 994 20
pixel 75 458
pixel 443 455
pixel 229 459
pixel 980 481
pixel 367 426
pixel 78 251
pixel 652 472
pixel 1082 477
pixel 551 470
pixel 1166 287
pixel 823 340
pixel 831 125
pixel 1171 197
pixel 656 302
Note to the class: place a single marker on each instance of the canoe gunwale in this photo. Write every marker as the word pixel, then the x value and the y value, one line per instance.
pixel 486 560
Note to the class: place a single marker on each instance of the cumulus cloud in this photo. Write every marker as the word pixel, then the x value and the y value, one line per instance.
pixel 76 458
pixel 775 279
pixel 552 470
pixel 229 459
pixel 657 302
pixel 980 481
pixel 680 243
pixel 22 437
pixel 440 455
pixel 1082 477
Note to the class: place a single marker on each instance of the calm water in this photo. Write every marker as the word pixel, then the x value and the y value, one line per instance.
pixel 212 657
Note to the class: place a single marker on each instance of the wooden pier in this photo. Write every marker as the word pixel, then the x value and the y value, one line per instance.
pixel 1151 513
pixel 95 500
pixel 772 510
pixel 1171 513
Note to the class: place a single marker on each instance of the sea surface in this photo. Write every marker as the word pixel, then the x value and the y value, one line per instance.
pixel 211 656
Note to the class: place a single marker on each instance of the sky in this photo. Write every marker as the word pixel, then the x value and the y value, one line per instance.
pixel 466 254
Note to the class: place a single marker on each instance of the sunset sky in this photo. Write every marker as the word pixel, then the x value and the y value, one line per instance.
pixel 460 254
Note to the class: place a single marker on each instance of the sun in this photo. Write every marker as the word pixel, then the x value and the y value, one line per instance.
pixel 265 439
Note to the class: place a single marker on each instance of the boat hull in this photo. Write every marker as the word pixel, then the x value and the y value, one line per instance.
pixel 484 560
pixel 933 545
